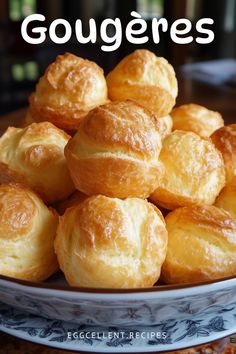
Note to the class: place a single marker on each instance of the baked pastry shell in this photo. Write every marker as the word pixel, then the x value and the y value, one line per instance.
pixel 194 171
pixel 201 245
pixel 103 236
pixel 34 156
pixel 28 229
pixel 196 118
pixel 70 87
pixel 225 141
pixel 121 158
pixel 146 79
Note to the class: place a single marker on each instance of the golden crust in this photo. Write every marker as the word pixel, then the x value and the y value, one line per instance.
pixel 69 89
pixel 35 157
pixel 105 242
pixel 227 198
pixel 225 141
pixel 196 118
pixel 201 245
pixel 193 171
pixel 27 232
pixel 155 98
pixel 145 78
pixel 115 151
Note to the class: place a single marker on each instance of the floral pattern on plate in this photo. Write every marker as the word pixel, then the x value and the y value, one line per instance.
pixel 165 335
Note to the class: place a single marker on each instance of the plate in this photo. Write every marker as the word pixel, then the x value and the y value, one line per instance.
pixel 130 307
pixel 161 337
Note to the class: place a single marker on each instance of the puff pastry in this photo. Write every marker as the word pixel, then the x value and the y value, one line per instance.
pixel 115 152
pixel 196 118
pixel 27 232
pixel 145 78
pixel 35 157
pixel 227 198
pixel 225 141
pixel 193 171
pixel 201 245
pixel 70 87
pixel 111 243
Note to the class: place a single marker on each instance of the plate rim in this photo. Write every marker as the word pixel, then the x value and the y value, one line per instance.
pixel 112 294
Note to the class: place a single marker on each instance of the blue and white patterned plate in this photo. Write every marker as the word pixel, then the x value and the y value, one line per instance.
pixel 179 316
pixel 125 308
pixel 164 336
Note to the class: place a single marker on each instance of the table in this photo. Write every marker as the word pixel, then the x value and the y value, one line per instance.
pixel 9 345
pixel 217 98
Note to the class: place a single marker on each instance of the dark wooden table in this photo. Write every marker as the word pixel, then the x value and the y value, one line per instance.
pixel 217 98
pixel 222 99
pixel 9 345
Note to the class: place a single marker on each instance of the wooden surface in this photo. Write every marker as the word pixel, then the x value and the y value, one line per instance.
pixel 217 98
pixel 14 119
pixel 9 345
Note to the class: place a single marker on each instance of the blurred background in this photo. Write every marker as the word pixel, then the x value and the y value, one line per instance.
pixel 21 64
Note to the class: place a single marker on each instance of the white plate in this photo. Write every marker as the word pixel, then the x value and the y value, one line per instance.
pixel 161 337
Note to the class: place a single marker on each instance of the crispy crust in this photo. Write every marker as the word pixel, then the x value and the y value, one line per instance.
pixel 145 78
pixel 103 236
pixel 27 231
pixel 196 118
pixel 194 171
pixel 152 97
pixel 201 245
pixel 61 118
pixel 34 156
pixel 227 198
pixel 225 141
pixel 113 176
pixel 69 89
pixel 121 159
